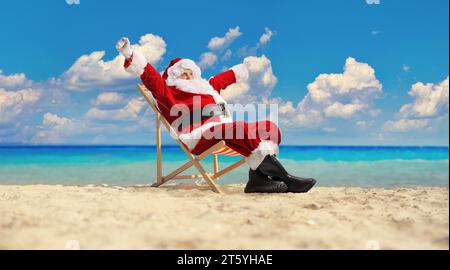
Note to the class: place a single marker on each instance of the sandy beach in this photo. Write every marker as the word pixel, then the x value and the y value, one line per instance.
pixel 186 216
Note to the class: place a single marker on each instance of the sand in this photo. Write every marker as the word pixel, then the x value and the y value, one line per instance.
pixel 190 217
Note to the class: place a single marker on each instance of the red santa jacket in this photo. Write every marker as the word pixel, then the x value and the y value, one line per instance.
pixel 168 96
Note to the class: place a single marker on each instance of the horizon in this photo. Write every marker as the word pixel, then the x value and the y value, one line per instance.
pixel 175 145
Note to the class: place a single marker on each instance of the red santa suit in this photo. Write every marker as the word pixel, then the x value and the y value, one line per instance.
pixel 169 92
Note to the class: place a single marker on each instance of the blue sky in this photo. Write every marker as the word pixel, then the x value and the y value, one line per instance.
pixel 405 43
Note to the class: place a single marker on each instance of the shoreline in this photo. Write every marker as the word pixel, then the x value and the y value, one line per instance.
pixel 189 184
pixel 186 216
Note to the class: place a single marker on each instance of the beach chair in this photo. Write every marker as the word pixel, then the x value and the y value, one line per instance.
pixel 219 149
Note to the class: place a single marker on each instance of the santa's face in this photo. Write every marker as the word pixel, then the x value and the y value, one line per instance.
pixel 187 74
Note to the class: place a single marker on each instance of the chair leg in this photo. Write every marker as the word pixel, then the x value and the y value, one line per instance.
pixel 159 177
pixel 207 178
pixel 228 169
pixel 176 172
pixel 216 163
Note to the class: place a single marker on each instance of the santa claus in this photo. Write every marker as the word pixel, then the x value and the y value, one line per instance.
pixel 204 112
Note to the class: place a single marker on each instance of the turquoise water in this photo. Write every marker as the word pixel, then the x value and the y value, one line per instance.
pixel 130 165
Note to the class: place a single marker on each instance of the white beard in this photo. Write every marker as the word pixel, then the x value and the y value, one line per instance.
pixel 197 86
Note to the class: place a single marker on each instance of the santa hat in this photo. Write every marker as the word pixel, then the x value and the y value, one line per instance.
pixel 176 68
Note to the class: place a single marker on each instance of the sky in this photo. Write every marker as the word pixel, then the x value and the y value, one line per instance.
pixel 350 72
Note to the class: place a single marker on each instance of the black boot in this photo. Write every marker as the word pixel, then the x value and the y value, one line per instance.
pixel 259 183
pixel 273 168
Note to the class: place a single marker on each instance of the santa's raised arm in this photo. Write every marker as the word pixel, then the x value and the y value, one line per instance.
pixel 136 64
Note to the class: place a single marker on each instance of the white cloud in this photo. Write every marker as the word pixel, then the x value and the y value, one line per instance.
pixel 373 2
pixel 343 95
pixel 430 100
pixel 129 112
pixel 406 68
pixel 259 85
pixel 220 43
pixel 403 125
pixel 430 104
pixel 91 71
pixel 361 123
pixel 207 59
pixel 375 32
pixel 100 139
pixel 374 112
pixel 152 46
pixel 299 116
pixel 329 129
pixel 13 103
pixel 286 107
pixel 15 132
pixel 266 37
pixel 107 98
pixel 54 120
pixel 55 128
pixel 14 80
pixel 358 82
pixel 227 55
pixel 261 66
pixel 339 110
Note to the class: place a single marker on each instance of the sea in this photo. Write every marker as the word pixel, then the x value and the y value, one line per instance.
pixel 339 166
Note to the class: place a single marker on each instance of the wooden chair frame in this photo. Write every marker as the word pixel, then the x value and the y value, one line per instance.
pixel 194 160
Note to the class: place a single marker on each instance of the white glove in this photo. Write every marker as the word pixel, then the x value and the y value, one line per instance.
pixel 124 47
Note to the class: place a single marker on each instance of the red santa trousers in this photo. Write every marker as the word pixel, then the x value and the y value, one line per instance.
pixel 253 140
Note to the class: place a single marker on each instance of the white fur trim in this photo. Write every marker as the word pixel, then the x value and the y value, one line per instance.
pixel 191 139
pixel 257 156
pixel 177 69
pixel 138 64
pixel 240 72
pixel 198 86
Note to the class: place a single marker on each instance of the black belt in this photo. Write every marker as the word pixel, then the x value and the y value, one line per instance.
pixel 207 112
